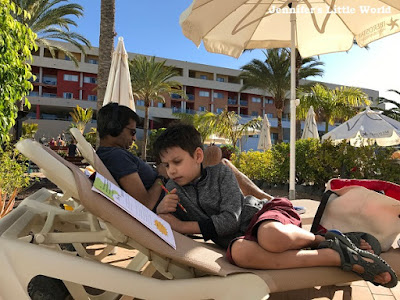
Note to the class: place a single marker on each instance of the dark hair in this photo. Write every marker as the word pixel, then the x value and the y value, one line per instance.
pixel 178 135
pixel 113 118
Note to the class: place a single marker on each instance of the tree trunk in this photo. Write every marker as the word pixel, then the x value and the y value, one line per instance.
pixel 280 129
pixel 326 126
pixel 145 129
pixel 106 46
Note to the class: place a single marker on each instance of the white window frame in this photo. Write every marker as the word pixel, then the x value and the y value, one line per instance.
pixel 217 94
pixel 268 101
pixel 71 77
pixel 89 79
pixel 92 96
pixel 68 95
pixel 204 93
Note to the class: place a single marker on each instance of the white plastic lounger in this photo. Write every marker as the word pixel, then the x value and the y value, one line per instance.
pixel 30 235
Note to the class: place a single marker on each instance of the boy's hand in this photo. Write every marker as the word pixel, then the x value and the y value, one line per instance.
pixel 175 223
pixel 168 203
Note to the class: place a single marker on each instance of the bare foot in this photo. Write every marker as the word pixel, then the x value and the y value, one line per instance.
pixel 365 246
pixel 382 278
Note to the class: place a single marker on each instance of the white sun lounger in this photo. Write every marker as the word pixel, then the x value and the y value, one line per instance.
pixel 30 235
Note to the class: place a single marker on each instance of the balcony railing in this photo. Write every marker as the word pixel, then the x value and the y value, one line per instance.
pixel 175 96
pixel 244 102
pixel 176 109
pixel 49 81
pixel 190 111
pixel 49 95
pixel 232 101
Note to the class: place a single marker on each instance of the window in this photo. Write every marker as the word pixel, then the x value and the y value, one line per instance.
pixel 220 79
pixel 49 95
pixel 159 104
pixel 219 110
pixel 87 79
pixel 67 58
pixel 68 95
pixel 69 77
pixel 285 117
pixel 218 95
pixel 140 102
pixel 256 99
pixel 49 80
pixel 268 101
pixel 254 114
pixel 202 108
pixel 92 97
pixel 270 116
pixel 33 93
pixel 204 94
pixel 175 96
pixel 92 61
pixel 203 77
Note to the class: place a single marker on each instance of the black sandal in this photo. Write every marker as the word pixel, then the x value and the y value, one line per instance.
pixel 350 255
pixel 369 238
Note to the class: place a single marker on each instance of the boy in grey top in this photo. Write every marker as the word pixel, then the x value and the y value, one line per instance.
pixel 258 234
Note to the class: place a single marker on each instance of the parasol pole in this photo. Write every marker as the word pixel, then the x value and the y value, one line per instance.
pixel 292 173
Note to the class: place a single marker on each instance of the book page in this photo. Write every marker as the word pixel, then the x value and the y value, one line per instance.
pixel 133 207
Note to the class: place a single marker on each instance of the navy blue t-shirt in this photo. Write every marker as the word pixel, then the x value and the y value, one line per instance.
pixel 121 162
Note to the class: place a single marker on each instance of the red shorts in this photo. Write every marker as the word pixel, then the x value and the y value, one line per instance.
pixel 278 209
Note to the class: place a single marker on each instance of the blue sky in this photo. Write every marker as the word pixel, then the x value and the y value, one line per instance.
pixel 151 27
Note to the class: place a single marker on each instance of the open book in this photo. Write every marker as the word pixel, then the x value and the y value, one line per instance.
pixel 133 207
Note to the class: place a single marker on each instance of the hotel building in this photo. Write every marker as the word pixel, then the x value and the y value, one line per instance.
pixel 60 86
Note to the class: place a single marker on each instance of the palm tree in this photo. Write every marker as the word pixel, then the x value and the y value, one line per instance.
pixel 29 130
pixel 51 20
pixel 228 125
pixel 204 122
pixel 330 105
pixel 106 46
pixel 151 81
pixel 273 76
pixel 306 67
pixel 394 110
pixel 81 117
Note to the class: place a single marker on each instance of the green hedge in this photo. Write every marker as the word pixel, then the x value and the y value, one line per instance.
pixel 317 162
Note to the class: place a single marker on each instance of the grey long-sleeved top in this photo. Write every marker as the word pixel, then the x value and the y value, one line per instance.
pixel 217 204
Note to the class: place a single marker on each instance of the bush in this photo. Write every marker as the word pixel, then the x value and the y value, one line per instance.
pixel 317 162
pixel 13 176
pixel 256 165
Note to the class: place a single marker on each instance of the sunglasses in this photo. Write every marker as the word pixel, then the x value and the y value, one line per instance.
pixel 132 131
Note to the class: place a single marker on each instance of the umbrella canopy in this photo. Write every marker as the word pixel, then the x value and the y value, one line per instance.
pixel 215 139
pixel 321 26
pixel 313 27
pixel 366 128
pixel 310 126
pixel 264 143
pixel 119 88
